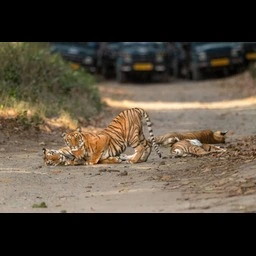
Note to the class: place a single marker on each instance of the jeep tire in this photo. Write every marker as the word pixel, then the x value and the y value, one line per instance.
pixel 121 76
pixel 196 74
pixel 105 72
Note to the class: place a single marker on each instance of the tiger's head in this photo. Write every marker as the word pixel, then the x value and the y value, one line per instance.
pixel 219 136
pixel 75 141
pixel 53 157
pixel 170 141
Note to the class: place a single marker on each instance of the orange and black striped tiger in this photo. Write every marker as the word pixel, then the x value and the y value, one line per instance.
pixel 62 156
pixel 193 147
pixel 204 136
pixel 106 146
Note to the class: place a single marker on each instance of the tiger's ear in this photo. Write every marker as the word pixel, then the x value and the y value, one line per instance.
pixel 223 133
pixel 63 134
pixel 79 129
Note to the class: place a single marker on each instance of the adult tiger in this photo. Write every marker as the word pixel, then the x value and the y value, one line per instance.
pixel 193 147
pixel 204 136
pixel 106 146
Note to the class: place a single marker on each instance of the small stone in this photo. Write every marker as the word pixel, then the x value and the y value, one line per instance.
pixel 123 173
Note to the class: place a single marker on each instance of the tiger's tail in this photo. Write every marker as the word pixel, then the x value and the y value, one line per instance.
pixel 151 134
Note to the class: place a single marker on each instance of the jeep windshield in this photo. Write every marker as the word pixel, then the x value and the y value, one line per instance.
pixel 71 43
pixel 155 45
pixel 199 43
pixel 82 44
pixel 202 43
pixel 113 45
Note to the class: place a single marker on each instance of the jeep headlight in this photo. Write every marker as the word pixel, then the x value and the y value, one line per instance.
pixel 202 56
pixel 127 57
pixel 88 60
pixel 159 58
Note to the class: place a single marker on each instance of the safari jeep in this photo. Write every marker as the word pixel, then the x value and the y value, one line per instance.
pixel 78 53
pixel 142 59
pixel 106 58
pixel 205 57
pixel 249 52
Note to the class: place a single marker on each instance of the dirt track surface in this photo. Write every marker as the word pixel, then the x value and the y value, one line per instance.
pixel 215 183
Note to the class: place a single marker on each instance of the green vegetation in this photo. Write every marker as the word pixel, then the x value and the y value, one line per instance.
pixel 37 85
pixel 41 205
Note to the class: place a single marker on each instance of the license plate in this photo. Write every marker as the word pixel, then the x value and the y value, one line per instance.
pixel 220 62
pixel 251 56
pixel 75 66
pixel 143 66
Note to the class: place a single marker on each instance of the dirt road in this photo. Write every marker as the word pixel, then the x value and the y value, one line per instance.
pixel 215 183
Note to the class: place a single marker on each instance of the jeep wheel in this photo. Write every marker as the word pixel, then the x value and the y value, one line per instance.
pixel 196 74
pixel 105 72
pixel 121 77
pixel 165 77
pixel 175 70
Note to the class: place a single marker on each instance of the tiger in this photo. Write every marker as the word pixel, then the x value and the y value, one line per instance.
pixel 193 147
pixel 204 136
pixel 107 145
pixel 62 156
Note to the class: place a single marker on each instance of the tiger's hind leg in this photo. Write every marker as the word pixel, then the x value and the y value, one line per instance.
pixel 213 149
pixel 147 151
pixel 144 157
pixel 142 151
pixel 135 158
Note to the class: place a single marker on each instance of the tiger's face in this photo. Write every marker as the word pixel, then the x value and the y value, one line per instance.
pixel 53 157
pixel 75 141
pixel 219 136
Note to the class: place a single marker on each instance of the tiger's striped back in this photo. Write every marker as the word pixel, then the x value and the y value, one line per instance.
pixel 204 136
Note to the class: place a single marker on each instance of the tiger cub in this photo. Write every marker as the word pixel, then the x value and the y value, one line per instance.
pixel 204 136
pixel 61 156
pixel 106 146
pixel 193 147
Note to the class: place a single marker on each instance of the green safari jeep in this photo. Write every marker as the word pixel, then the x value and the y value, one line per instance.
pixel 205 57
pixel 249 52
pixel 78 53
pixel 142 59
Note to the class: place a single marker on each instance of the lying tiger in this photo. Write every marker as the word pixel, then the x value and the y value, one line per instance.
pixel 204 136
pixel 107 146
pixel 193 147
pixel 62 156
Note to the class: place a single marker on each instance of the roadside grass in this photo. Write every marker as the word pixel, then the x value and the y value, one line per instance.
pixel 36 86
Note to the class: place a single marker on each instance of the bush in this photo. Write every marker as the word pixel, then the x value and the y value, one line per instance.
pixel 44 85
